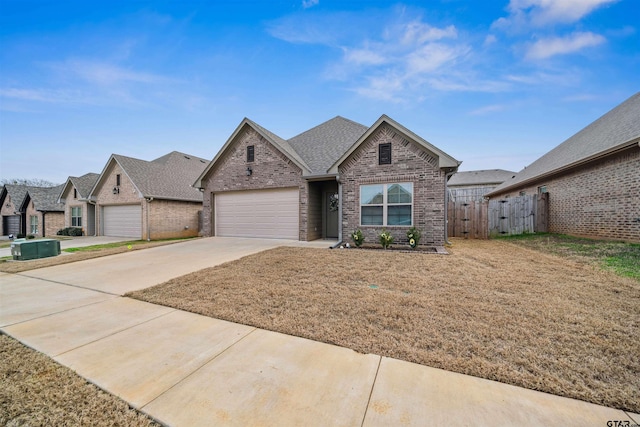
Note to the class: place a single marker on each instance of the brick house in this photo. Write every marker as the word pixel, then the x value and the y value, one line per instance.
pixel 143 199
pixel 592 178
pixel 326 182
pixel 41 213
pixel 11 198
pixel 79 211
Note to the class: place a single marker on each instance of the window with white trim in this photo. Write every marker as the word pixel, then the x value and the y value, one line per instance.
pixel 386 204
pixel 76 216
pixel 33 222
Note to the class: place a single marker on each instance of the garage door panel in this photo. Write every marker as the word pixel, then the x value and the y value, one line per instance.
pixel 122 221
pixel 264 213
pixel 11 224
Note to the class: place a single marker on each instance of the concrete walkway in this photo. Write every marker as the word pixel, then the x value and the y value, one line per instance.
pixel 189 370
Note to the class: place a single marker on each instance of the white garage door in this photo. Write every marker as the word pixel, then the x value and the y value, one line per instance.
pixel 263 213
pixel 122 221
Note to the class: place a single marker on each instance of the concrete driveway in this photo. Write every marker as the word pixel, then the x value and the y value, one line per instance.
pixel 190 370
pixel 122 273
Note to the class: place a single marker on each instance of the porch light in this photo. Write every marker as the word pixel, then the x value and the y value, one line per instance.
pixel 249 171
pixel 116 190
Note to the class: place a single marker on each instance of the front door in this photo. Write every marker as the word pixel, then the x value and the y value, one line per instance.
pixel 331 215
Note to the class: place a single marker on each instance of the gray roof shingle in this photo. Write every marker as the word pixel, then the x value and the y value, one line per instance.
pixel 84 183
pixel 45 199
pixel 480 177
pixel 323 145
pixel 16 192
pixel 615 129
pixel 167 177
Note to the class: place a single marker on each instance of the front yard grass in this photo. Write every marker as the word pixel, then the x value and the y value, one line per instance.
pixel 492 309
pixel 37 391
pixel 619 257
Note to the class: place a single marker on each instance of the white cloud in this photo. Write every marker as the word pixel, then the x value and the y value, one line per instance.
pixel 309 3
pixel 487 110
pixel 540 13
pixel 548 47
pixel 363 56
pixel 104 73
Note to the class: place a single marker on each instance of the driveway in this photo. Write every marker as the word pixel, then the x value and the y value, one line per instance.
pixel 122 273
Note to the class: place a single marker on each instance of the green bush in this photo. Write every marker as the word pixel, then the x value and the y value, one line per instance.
pixel 70 231
pixel 30 236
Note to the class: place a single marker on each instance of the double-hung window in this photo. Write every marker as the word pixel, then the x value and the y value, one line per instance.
pixel 33 222
pixel 76 216
pixel 386 204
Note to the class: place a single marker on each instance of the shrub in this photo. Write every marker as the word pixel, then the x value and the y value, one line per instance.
pixel 413 235
pixel 70 231
pixel 20 236
pixel 357 237
pixel 386 239
pixel 30 236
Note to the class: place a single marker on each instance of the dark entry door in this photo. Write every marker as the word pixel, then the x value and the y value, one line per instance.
pixel 331 215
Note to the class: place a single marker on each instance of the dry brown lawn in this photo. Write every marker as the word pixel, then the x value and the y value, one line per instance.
pixel 490 309
pixel 36 391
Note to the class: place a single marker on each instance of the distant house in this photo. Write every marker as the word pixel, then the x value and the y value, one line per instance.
pixel 327 182
pixel 593 178
pixel 142 199
pixel 79 211
pixel 11 198
pixel 41 212
pixel 474 185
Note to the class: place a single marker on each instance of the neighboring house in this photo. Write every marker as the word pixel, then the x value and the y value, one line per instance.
pixel 11 198
pixel 41 212
pixel 143 199
pixel 474 185
pixel 79 211
pixel 326 183
pixel 593 178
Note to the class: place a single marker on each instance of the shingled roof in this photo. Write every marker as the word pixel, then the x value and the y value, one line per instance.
pixel 167 177
pixel 323 145
pixel 45 199
pixel 616 130
pixel 317 150
pixel 83 184
pixel 17 193
pixel 480 177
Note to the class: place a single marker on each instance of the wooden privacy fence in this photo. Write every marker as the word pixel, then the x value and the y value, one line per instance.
pixel 481 219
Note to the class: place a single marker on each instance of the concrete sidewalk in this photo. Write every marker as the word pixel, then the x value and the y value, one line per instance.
pixel 189 370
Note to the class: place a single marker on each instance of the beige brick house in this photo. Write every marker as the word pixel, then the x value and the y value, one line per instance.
pixel 592 178
pixel 79 211
pixel 41 213
pixel 143 199
pixel 326 182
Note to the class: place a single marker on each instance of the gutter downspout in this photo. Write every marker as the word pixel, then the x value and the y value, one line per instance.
pixel 149 200
pixel 339 212
pixel 446 207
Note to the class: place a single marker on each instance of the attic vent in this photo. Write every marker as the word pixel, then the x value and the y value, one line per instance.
pixel 202 161
pixel 187 157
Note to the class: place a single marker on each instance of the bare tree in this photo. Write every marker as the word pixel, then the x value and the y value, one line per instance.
pixel 34 182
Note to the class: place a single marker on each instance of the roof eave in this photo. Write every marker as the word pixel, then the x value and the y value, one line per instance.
pixel 581 162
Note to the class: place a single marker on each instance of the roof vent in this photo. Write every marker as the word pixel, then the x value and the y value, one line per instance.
pixel 202 161
pixel 187 157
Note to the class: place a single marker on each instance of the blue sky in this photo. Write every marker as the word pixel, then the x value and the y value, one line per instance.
pixel 495 84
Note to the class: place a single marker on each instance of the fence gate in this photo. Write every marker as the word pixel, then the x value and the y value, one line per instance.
pixel 479 219
pixel 518 215
pixel 468 219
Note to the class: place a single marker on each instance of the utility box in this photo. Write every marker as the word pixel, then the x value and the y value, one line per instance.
pixel 34 249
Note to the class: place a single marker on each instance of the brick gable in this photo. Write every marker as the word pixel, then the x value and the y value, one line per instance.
pixel 410 162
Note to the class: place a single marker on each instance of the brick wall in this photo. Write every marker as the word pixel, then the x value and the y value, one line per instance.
pixel 127 195
pixel 171 219
pixel 71 202
pixel 410 163
pixel 53 221
pixel 271 169
pixel 601 200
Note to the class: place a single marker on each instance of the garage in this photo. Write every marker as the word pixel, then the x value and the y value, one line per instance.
pixel 264 213
pixel 122 221
pixel 11 225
